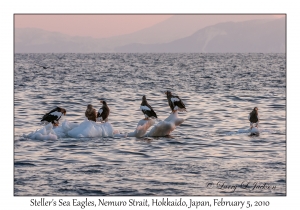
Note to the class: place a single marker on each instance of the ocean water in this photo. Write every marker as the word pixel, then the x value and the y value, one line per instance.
pixel 210 153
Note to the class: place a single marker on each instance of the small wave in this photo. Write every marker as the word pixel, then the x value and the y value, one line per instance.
pixel 90 192
pixel 243 131
pixel 281 181
pixel 20 163
pixel 132 153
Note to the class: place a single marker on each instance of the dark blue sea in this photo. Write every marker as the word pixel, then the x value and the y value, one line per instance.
pixel 210 153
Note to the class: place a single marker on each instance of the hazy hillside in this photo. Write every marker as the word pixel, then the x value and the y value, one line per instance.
pixel 41 41
pixel 249 36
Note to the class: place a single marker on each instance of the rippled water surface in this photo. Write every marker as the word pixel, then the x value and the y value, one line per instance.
pixel 209 154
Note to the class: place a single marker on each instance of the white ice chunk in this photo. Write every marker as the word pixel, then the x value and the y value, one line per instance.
pixel 254 130
pixel 141 128
pixel 91 129
pixel 165 127
pixel 67 129
pixel 44 133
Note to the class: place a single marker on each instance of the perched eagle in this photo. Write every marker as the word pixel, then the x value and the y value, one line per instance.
pixel 90 113
pixel 103 112
pixel 147 109
pixel 53 116
pixel 175 102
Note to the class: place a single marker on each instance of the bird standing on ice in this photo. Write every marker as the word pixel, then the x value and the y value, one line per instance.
pixel 175 102
pixel 53 116
pixel 91 113
pixel 103 112
pixel 147 109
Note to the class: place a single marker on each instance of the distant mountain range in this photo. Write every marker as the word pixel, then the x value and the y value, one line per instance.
pixel 180 33
pixel 255 36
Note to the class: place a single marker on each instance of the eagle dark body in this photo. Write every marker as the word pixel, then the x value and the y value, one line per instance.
pixel 147 109
pixel 175 102
pixel 54 115
pixel 253 117
pixel 103 111
pixel 90 113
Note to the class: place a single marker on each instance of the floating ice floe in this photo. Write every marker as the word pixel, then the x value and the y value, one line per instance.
pixel 92 129
pixel 76 130
pixel 45 133
pixel 141 128
pixel 254 130
pixel 162 128
pixel 165 127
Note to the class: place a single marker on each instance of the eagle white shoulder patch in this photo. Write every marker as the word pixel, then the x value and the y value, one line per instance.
pixel 56 113
pixel 174 99
pixel 145 108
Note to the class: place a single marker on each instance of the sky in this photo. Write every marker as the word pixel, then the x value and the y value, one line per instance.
pixel 96 26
